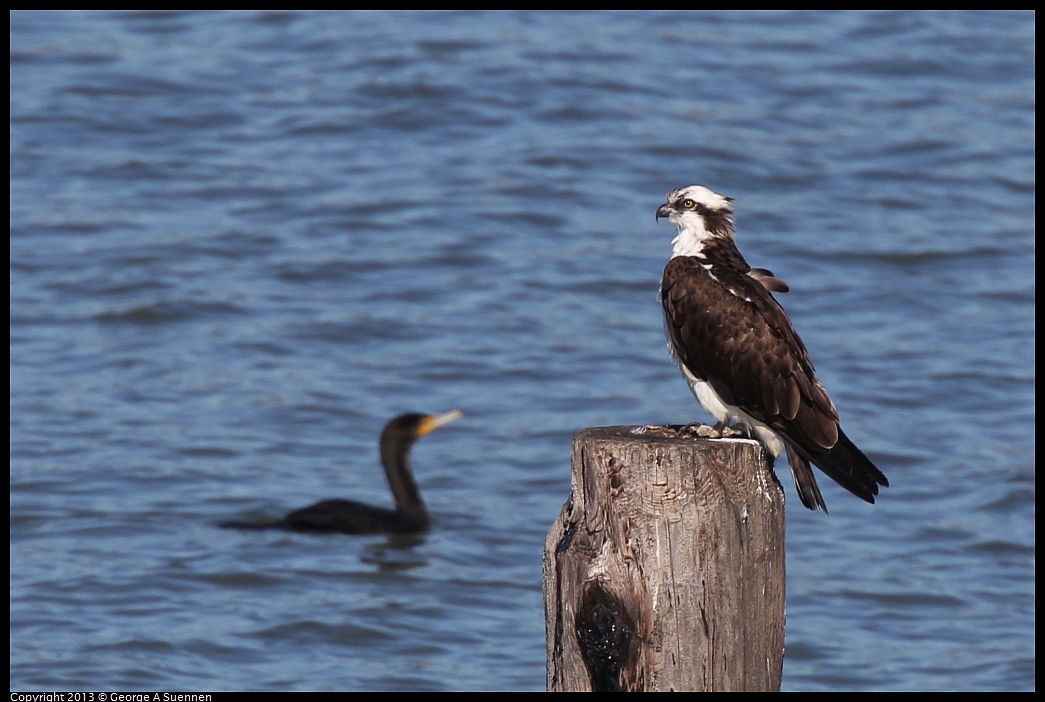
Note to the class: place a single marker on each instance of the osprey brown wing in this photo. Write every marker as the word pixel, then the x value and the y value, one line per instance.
pixel 733 335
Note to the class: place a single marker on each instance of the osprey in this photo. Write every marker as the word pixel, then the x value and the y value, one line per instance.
pixel 742 358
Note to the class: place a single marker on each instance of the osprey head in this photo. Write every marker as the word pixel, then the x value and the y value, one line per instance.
pixel 695 201
pixel 699 214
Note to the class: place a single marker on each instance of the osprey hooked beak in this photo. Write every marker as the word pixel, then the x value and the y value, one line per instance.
pixel 663 211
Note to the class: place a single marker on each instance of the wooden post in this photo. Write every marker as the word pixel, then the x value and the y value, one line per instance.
pixel 665 569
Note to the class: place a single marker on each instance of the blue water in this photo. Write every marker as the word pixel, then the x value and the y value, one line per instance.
pixel 240 242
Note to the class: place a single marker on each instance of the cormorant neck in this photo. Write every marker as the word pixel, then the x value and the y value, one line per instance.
pixel 395 457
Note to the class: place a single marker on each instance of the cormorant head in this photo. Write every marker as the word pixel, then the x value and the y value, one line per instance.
pixel 413 426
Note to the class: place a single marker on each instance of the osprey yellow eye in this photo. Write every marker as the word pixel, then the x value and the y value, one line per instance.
pixel 688 204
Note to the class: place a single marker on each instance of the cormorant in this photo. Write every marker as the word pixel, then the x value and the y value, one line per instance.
pixel 350 517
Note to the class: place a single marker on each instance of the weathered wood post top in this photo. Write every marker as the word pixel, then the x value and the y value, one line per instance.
pixel 665 569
